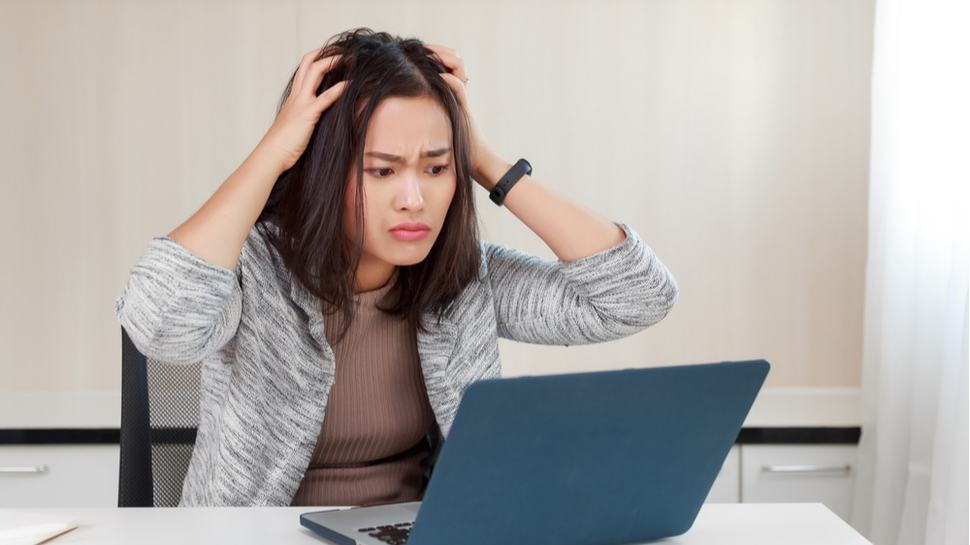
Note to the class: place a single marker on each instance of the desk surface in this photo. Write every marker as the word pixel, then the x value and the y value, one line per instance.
pixel 724 524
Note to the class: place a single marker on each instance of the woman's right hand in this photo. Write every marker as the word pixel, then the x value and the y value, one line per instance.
pixel 290 133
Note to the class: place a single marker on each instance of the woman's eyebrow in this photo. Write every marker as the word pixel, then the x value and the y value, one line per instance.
pixel 396 159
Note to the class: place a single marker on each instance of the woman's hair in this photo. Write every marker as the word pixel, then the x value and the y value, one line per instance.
pixel 306 206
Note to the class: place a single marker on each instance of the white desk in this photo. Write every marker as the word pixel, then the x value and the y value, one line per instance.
pixel 723 524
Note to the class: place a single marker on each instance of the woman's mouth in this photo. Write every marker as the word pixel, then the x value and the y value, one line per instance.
pixel 409 231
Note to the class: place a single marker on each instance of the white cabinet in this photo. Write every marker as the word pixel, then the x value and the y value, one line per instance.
pixel 87 475
pixel 788 474
pixel 727 486
pixel 59 475
pixel 799 473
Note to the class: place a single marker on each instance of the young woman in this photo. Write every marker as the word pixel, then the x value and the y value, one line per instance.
pixel 338 297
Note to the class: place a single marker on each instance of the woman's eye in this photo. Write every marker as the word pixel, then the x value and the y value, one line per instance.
pixel 381 172
pixel 437 169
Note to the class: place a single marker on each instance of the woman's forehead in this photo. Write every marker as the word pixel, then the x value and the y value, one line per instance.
pixel 403 126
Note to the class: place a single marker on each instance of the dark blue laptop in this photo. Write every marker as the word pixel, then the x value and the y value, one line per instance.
pixel 581 459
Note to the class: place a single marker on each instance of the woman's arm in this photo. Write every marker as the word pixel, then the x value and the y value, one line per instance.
pixel 216 232
pixel 177 307
pixel 182 300
pixel 607 283
pixel 571 231
pixel 601 297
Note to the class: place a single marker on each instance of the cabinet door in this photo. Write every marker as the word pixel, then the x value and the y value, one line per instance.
pixel 59 475
pixel 727 486
pixel 799 473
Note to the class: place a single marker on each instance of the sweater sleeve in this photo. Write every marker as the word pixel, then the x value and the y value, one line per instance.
pixel 177 307
pixel 602 297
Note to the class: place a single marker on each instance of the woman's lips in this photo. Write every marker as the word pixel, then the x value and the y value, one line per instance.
pixel 410 231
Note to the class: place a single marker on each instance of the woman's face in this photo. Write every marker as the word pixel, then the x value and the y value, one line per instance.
pixel 408 184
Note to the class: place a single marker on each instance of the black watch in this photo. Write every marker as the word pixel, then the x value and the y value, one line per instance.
pixel 501 189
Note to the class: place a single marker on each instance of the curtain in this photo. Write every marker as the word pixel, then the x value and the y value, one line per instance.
pixel 912 481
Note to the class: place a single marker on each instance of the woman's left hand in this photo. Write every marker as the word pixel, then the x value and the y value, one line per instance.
pixel 457 79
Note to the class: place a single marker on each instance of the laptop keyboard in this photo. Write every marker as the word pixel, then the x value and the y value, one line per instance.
pixel 392 534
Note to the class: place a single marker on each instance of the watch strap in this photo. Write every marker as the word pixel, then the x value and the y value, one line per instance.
pixel 501 189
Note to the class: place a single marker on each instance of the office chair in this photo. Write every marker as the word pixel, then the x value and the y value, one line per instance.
pixel 159 420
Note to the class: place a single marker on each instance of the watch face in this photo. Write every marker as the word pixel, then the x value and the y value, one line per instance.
pixel 497 195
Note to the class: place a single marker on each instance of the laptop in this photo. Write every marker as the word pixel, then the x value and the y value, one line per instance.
pixel 580 459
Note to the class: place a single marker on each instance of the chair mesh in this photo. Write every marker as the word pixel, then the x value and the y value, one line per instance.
pixel 159 420
pixel 173 397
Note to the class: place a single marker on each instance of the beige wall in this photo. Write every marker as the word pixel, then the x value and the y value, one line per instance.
pixel 732 134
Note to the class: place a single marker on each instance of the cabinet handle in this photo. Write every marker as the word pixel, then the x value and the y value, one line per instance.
pixel 23 469
pixel 807 469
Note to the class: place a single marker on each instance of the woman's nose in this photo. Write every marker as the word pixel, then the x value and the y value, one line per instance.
pixel 408 195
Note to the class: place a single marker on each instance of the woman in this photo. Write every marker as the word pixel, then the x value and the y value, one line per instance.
pixel 336 293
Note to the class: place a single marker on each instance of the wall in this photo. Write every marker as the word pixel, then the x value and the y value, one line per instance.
pixel 732 134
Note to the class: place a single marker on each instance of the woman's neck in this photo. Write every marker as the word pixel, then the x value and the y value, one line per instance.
pixel 372 274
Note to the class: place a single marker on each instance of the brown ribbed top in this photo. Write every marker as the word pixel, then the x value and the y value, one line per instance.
pixel 370 445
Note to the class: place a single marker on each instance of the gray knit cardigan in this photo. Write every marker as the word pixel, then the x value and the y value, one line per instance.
pixel 267 368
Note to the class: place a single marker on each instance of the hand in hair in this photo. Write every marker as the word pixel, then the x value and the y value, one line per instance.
pixel 457 79
pixel 302 109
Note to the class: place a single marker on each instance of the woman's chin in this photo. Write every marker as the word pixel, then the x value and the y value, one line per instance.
pixel 409 257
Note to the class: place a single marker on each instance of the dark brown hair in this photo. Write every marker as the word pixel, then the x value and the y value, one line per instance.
pixel 306 206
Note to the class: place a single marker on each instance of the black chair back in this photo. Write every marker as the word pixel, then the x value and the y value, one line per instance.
pixel 159 420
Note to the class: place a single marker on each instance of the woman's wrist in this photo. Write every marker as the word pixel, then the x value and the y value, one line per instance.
pixel 489 169
pixel 268 159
